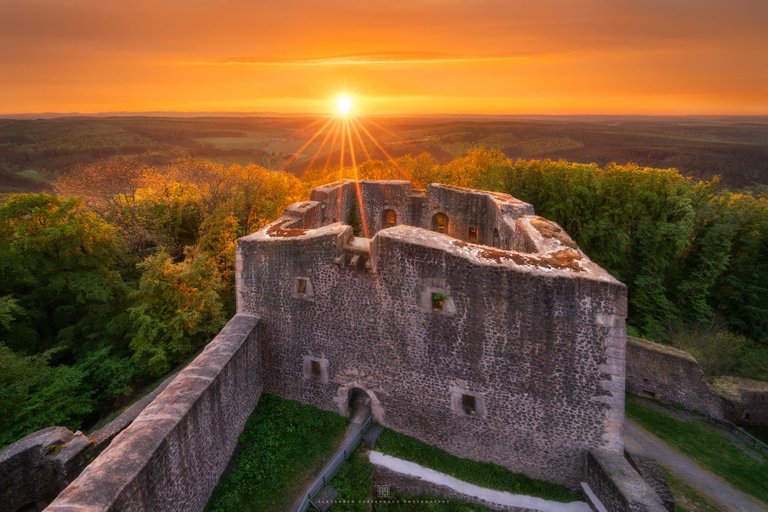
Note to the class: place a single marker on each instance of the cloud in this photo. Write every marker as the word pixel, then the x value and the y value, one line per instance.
pixel 367 59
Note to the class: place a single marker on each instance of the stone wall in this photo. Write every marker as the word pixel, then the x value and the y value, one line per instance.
pixel 36 468
pixel 618 485
pixel 745 400
pixel 493 215
pixel 32 468
pixel 172 455
pixel 674 376
pixel 670 375
pixel 522 366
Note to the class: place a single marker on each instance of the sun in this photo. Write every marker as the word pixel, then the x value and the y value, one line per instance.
pixel 344 105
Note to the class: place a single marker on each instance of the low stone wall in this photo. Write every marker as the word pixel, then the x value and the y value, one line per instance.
pixel 670 375
pixel 654 477
pixel 172 455
pixel 674 376
pixel 33 470
pixel 746 401
pixel 618 485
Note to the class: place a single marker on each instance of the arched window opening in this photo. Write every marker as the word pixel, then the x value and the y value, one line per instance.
pixel 496 238
pixel 440 223
pixel 390 218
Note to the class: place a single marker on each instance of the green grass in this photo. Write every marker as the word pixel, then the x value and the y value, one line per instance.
pixel 687 499
pixel 484 474
pixel 353 482
pixel 282 448
pixel 708 446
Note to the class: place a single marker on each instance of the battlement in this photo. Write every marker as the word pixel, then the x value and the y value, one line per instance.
pixel 467 321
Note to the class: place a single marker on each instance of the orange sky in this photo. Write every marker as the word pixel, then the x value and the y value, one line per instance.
pixel 414 56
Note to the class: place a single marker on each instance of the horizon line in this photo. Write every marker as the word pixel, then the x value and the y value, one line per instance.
pixel 267 113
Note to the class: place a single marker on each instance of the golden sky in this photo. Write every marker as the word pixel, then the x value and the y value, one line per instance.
pixel 395 56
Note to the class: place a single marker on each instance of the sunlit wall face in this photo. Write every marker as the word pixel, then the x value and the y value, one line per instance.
pixel 415 56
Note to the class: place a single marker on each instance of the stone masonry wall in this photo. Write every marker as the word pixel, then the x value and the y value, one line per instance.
pixel 485 211
pixel 540 350
pixel 618 485
pixel 172 455
pixel 668 374
pixel 34 469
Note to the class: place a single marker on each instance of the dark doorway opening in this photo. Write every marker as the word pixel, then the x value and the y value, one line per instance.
pixel 359 405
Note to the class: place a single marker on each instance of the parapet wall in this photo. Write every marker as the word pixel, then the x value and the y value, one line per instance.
pixel 36 468
pixel 531 344
pixel 618 485
pixel 172 455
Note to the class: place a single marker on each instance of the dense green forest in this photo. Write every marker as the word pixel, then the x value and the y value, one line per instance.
pixel 128 270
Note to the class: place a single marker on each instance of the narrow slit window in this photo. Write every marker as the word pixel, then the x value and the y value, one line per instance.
pixel 301 286
pixel 469 405
pixel 473 234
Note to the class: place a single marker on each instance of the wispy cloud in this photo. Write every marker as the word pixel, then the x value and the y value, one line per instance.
pixel 366 59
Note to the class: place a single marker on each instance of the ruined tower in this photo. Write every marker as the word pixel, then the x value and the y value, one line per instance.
pixel 469 322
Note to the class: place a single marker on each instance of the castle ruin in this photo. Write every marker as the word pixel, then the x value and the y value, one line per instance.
pixel 462 318
pixel 468 321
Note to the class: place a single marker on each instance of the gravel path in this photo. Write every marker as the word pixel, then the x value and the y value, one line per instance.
pixel 707 483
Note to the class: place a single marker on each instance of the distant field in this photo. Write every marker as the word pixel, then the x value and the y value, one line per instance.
pixel 32 152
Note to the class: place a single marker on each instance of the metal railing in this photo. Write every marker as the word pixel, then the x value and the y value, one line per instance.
pixel 746 436
pixel 330 469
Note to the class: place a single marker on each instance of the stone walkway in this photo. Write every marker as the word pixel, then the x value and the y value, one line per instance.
pixel 637 439
pixel 490 495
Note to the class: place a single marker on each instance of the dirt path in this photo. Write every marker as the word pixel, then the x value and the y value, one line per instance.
pixel 710 485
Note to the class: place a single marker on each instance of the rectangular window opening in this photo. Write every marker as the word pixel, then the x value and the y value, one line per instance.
pixel 473 234
pixel 469 405
pixel 438 301
pixel 301 286
pixel 314 368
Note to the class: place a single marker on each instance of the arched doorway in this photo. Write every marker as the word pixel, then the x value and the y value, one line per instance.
pixel 356 395
pixel 440 223
pixel 358 404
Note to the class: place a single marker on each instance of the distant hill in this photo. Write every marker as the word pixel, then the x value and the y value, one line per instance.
pixel 34 151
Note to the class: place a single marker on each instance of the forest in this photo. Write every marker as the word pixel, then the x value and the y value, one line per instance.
pixel 126 270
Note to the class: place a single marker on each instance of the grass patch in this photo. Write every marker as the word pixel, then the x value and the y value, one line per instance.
pixel 353 482
pixel 484 474
pixel 282 448
pixel 687 499
pixel 708 446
